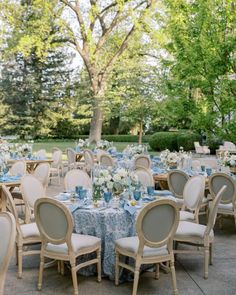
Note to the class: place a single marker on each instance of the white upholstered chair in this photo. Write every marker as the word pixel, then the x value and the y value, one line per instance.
pixel 55 224
pixel 144 176
pixel 7 238
pixel 18 168
pixel 27 234
pixel 227 204
pixel 89 160
pixel 143 161
pixel 41 154
pixel 106 160
pixel 77 177
pixel 176 182
pixel 193 195
pixel 56 165
pixel 201 150
pixel 200 235
pixel 42 172
pixel 156 225
pixel 31 189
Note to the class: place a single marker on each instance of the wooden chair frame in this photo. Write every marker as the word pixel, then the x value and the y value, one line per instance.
pixel 139 258
pixel 72 255
pixel 21 242
pixel 146 158
pixel 107 158
pixel 80 174
pixel 204 245
pixel 6 260
pixel 147 171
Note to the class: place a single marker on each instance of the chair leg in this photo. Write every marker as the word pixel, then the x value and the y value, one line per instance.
pixel 173 276
pixel 74 278
pixel 16 254
pixel 58 266
pixel 136 278
pixel 117 269
pixel 206 261
pixel 41 268
pixel 62 268
pixel 211 253
pixel 157 272
pixel 20 258
pixel 99 268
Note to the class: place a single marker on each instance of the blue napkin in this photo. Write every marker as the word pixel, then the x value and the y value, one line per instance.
pixel 148 199
pixel 162 193
pixel 157 170
pixel 63 197
pixel 130 209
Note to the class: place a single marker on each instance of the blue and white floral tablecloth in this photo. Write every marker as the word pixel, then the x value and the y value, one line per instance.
pixel 108 224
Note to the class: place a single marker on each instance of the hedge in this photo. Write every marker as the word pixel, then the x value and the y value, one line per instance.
pixel 173 140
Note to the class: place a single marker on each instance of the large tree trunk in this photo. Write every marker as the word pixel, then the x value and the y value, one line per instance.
pixel 140 132
pixel 96 124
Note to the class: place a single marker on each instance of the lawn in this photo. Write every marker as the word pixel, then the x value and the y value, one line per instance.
pixel 63 145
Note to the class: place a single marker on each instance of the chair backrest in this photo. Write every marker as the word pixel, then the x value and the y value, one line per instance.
pixel 154 214
pixel 144 176
pixel 75 178
pixel 11 207
pixel 31 189
pixel 194 192
pixel 176 181
pixel 209 163
pixel 54 221
pixel 142 161
pixel 89 159
pixel 106 160
pixel 18 168
pixel 213 207
pixel 41 153
pixel 216 181
pixel 55 149
pixel 42 172
pixel 229 145
pixel 99 153
pixel 57 158
pixel 70 156
pixel 196 165
pixel 7 238
pixel 196 144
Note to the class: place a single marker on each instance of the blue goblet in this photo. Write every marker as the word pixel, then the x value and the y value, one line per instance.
pixel 78 188
pixel 137 195
pixel 82 194
pixel 107 197
pixel 208 171
pixel 150 190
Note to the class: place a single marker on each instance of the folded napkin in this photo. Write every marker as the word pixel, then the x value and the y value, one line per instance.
pixel 157 170
pixel 130 209
pixel 63 197
pixel 9 178
pixel 148 199
pixel 163 193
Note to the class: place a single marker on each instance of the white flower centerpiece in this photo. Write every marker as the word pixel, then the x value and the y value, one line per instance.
pixel 82 144
pixel 24 150
pixel 104 144
pixel 230 161
pixel 132 150
pixel 170 159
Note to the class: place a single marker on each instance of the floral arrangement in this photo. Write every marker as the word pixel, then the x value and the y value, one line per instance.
pixel 24 150
pixel 133 150
pixel 229 160
pixel 170 158
pixel 83 143
pixel 116 181
pixel 103 144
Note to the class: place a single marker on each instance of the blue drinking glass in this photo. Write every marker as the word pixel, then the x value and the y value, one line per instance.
pixel 78 188
pixel 203 168
pixel 137 195
pixel 208 171
pixel 82 194
pixel 150 190
pixel 107 196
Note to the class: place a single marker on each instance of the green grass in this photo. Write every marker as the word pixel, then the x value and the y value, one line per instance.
pixel 63 145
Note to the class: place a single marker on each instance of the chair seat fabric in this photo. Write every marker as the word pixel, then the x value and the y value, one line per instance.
pixel 131 244
pixel 192 230
pixel 180 201
pixel 79 242
pixel 228 207
pixel 185 215
pixel 30 230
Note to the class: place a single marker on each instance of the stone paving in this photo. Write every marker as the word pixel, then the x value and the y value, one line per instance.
pixel 189 271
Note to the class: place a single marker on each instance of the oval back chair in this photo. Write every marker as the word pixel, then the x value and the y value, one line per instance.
pixel 142 161
pixel 144 176
pixel 106 160
pixel 41 154
pixel 18 168
pixel 176 181
pixel 77 177
pixel 89 160
pixel 7 238
pixel 42 172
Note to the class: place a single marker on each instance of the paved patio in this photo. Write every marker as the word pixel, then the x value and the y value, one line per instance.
pixel 189 271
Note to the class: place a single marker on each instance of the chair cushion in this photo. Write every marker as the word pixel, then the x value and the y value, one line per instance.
pixel 79 242
pixel 180 201
pixel 131 245
pixel 192 230
pixel 185 215
pixel 29 230
pixel 228 207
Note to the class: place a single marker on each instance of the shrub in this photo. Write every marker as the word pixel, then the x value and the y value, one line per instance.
pixel 186 140
pixel 163 140
pixel 125 138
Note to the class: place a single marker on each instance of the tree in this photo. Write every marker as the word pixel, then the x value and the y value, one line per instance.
pixel 99 31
